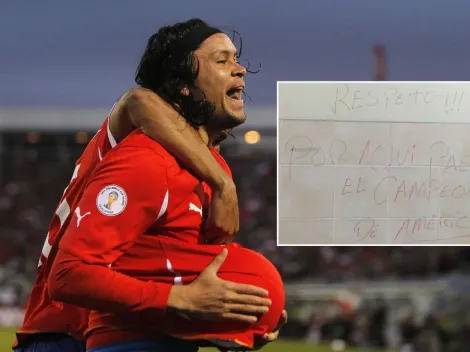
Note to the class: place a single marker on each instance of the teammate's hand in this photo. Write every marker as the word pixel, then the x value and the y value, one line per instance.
pixel 267 338
pixel 222 222
pixel 211 298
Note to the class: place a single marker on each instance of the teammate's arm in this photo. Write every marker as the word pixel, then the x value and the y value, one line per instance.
pixel 99 233
pixel 142 108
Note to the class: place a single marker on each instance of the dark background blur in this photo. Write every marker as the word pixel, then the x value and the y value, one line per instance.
pixel 57 58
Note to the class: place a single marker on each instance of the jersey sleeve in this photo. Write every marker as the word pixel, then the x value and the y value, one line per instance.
pixel 125 196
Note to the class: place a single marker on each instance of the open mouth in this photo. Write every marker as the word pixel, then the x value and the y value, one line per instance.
pixel 235 93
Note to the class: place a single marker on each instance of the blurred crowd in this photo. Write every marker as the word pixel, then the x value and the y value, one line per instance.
pixel 371 327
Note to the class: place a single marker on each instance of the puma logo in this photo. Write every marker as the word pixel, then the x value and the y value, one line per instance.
pixel 80 217
pixel 193 207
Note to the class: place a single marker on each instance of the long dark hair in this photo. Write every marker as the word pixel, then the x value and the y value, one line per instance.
pixel 166 74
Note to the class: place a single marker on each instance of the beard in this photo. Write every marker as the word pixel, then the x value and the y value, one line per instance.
pixel 225 122
pixel 217 120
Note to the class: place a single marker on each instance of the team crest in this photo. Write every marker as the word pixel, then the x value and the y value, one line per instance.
pixel 111 200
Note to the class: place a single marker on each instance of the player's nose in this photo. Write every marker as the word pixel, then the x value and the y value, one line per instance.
pixel 239 71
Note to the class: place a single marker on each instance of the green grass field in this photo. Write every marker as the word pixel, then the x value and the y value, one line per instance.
pixel 7 337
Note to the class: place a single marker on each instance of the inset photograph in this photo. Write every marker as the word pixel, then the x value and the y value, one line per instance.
pixel 383 163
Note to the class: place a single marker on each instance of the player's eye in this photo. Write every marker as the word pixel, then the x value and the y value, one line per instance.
pixel 221 61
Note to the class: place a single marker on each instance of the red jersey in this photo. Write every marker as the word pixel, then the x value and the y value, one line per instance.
pixel 42 313
pixel 138 194
pixel 175 262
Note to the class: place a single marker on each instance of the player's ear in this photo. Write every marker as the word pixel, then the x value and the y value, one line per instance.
pixel 185 91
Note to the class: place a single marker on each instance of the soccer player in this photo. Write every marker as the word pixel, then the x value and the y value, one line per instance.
pixel 60 325
pixel 106 257
pixel 57 325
